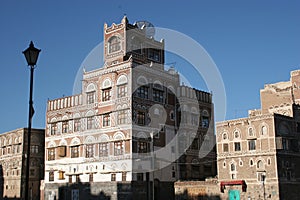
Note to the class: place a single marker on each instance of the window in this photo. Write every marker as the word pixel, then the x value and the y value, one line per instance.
pixel 62 150
pixel 70 179
pixel 53 129
pixel 118 148
pixel 106 94
pixel 251 162
pixel 65 126
pixel 236 134
pixel 90 97
pixel 89 152
pixel 205 122
pixel 51 154
pixel 74 151
pixel 122 117
pixel 113 177
pixel 158 95
pixel 241 163
pixel 142 92
pixel 91 177
pixel 172 117
pixel 225 136
pixel 140 177
pixel 140 118
pixel 252 145
pixel 77 125
pixel 259 164
pixel 122 91
pixel 142 147
pixel 237 146
pixel 114 44
pixel 61 175
pixel 225 147
pixel 123 176
pixel 90 123
pixel 77 178
pixel 32 172
pixel 106 120
pixel 233 176
pixel 250 132
pixel 51 176
pixel 264 130
pixel 103 149
pixel 285 144
pixel 232 167
pixel 34 149
pixel 173 174
pixel 269 161
pixel 261 176
pixel 154 54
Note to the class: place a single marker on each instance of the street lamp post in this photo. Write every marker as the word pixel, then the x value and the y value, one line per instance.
pixel 263 182
pixel 31 54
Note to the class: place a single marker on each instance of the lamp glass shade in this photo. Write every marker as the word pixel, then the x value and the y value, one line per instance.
pixel 31 54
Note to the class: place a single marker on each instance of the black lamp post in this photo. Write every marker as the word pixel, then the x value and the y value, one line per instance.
pixel 263 177
pixel 31 55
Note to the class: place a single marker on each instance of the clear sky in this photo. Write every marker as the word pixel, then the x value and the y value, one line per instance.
pixel 251 42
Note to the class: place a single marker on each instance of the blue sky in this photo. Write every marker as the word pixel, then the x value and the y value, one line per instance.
pixel 251 42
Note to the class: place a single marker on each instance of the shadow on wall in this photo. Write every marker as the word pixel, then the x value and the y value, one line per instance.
pixel 72 192
pixel 2 187
pixel 186 196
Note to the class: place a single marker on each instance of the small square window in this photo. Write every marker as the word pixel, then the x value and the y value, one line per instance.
pixel 61 175
pixel 51 176
pixel 225 147
pixel 113 177
pixel 237 146
pixel 252 145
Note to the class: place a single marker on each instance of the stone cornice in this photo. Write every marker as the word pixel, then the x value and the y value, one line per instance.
pixel 107 70
pixel 234 122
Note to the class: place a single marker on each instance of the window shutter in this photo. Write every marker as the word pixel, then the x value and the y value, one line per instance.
pixel 62 151
pixel 279 143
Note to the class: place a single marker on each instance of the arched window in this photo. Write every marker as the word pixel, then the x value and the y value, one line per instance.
pixel 232 167
pixel 114 44
pixel 250 131
pixel 122 86
pixel 251 162
pixel 264 130
pixel 259 164
pixel 236 134
pixel 90 93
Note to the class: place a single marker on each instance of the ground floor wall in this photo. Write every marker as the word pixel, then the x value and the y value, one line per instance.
pixel 210 189
pixel 134 190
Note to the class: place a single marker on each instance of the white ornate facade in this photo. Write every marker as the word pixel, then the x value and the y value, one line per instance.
pixel 127 110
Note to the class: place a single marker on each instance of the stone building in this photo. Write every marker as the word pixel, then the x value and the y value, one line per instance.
pixel 258 156
pixel 118 139
pixel 13 148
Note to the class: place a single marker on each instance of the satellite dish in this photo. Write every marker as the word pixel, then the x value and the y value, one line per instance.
pixel 150 30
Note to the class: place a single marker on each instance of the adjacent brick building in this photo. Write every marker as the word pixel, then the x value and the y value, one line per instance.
pixel 262 150
pixel 13 149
